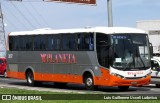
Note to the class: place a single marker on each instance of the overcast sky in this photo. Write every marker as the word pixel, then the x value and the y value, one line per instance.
pixel 25 15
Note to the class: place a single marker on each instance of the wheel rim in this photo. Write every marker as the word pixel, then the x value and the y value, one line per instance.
pixel 30 78
pixel 89 81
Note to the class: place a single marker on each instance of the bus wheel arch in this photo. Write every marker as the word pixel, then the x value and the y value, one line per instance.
pixel 88 80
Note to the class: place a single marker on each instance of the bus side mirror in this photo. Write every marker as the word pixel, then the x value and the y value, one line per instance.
pixel 151 49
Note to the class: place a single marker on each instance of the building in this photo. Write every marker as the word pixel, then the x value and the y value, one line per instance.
pixel 153 29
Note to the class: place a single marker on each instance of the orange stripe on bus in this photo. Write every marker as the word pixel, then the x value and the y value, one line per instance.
pixel 17 75
pixel 104 80
pixel 58 78
pixel 48 77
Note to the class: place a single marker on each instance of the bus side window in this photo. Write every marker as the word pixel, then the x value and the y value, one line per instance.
pixel 72 42
pixel 22 43
pixel 85 41
pixel 16 45
pixel 11 43
pixel 43 42
pixel 69 42
pixel 36 42
pixel 57 42
pixel 53 42
pixel 29 42
pixel 65 42
pixel 50 42
pixel 40 42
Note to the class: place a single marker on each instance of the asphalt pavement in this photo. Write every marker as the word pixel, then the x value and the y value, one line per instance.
pixel 76 88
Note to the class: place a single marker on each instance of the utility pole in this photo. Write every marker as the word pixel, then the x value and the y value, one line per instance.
pixel 2 35
pixel 110 17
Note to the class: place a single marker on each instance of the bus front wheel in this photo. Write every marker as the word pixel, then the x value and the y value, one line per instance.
pixel 89 83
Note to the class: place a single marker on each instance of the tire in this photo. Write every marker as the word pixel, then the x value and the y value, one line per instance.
pixel 158 85
pixel 5 74
pixel 60 85
pixel 123 87
pixel 30 78
pixel 89 82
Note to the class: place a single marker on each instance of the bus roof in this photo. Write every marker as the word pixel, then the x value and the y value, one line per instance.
pixel 107 30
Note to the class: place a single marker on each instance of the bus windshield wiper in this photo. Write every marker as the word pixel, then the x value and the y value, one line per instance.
pixel 142 61
pixel 129 63
pixel 140 58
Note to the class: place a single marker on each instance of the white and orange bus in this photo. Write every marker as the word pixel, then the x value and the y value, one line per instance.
pixel 100 56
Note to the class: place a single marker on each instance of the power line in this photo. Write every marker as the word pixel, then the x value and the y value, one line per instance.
pixel 16 17
pixel 23 15
pixel 34 9
pixel 13 25
pixel 40 15
pixel 31 14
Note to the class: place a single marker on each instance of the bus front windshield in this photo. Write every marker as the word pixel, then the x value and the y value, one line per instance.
pixel 130 51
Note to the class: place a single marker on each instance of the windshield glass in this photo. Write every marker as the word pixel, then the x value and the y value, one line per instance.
pixel 131 51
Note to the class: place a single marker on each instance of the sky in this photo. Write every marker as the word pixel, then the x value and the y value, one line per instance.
pixel 28 15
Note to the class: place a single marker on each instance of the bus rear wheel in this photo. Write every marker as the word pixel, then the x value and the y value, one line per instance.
pixel 123 87
pixel 89 83
pixel 30 78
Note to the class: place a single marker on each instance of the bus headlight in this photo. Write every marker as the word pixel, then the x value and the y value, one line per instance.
pixel 148 74
pixel 115 74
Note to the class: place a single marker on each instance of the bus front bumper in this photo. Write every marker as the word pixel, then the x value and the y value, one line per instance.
pixel 117 81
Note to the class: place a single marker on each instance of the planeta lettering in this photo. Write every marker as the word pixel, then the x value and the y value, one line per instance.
pixel 135 72
pixel 43 57
pixel 58 58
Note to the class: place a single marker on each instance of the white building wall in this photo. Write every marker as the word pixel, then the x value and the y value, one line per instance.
pixel 149 25
pixel 153 29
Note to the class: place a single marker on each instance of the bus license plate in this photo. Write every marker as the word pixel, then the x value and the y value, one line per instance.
pixel 134 83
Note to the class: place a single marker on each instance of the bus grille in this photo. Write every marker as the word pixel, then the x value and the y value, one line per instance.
pixel 134 77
